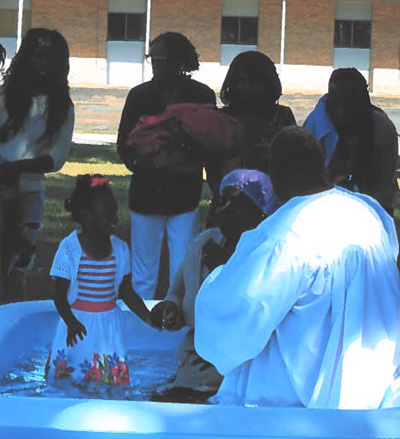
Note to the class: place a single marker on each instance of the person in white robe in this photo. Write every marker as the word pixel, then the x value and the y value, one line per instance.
pixel 306 311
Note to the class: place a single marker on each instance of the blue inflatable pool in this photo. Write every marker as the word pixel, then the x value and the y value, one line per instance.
pixel 24 324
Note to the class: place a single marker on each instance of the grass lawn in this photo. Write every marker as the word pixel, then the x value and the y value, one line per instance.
pixel 58 223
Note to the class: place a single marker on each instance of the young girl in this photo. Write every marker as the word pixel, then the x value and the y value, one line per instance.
pixel 91 269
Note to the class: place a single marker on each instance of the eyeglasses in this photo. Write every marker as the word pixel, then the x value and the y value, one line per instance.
pixel 152 58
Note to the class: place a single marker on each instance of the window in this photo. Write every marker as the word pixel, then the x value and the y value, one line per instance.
pixel 352 34
pixel 239 30
pixel 126 27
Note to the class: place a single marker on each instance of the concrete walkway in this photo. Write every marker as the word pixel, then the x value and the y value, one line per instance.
pixel 98 111
pixel 94 139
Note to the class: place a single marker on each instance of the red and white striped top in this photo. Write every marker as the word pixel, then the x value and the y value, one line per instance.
pixel 96 284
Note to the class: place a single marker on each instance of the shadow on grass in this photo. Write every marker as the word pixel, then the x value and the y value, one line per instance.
pixel 94 154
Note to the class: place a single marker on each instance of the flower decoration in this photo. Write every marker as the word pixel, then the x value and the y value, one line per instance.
pixel 62 370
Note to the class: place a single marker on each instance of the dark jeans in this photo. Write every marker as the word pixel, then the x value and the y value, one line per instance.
pixel 20 222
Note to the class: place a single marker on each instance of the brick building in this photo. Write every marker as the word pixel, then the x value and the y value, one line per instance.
pixel 306 38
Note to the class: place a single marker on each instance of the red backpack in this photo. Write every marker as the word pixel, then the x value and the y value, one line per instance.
pixel 184 137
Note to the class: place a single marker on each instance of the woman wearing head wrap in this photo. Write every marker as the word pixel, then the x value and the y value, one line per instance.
pixel 247 197
pixel 250 93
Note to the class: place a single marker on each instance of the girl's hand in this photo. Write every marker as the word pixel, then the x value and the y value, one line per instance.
pixel 75 329
pixel 165 315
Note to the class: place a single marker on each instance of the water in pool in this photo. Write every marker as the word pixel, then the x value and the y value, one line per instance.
pixel 149 369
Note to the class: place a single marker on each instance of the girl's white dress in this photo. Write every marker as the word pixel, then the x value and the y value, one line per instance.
pixel 93 292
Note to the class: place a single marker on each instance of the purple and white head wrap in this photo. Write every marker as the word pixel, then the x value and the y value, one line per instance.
pixel 256 185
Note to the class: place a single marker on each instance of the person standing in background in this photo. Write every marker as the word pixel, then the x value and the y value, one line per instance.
pixel 36 126
pixel 358 139
pixel 162 199
pixel 250 93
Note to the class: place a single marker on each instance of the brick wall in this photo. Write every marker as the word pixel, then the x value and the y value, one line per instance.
pixel 82 22
pixel 199 20
pixel 269 28
pixel 385 38
pixel 309 32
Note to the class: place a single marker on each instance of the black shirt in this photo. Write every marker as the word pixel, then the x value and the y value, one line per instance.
pixel 260 130
pixel 155 191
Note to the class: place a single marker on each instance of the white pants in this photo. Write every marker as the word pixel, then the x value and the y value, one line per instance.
pixel 147 232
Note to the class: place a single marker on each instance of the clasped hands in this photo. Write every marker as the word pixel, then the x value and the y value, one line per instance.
pixel 165 315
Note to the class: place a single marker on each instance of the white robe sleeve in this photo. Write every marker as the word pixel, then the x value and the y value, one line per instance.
pixel 240 304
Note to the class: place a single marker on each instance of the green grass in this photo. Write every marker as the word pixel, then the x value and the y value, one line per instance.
pixel 58 223
pixel 94 154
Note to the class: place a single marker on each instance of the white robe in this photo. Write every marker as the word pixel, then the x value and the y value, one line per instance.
pixel 306 311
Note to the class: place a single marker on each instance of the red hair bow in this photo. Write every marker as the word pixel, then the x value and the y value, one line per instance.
pixel 99 181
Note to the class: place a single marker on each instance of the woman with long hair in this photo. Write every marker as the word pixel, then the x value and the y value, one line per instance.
pixel 250 93
pixel 36 126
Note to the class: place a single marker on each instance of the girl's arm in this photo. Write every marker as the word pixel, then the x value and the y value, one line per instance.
pixel 132 300
pixel 75 327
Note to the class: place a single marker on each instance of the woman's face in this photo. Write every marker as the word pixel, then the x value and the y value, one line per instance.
pixel 345 107
pixel 164 68
pixel 42 62
pixel 247 89
pixel 237 213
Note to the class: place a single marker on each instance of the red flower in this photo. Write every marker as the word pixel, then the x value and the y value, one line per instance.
pixel 94 374
pixel 61 369
pixel 123 373
pixel 115 376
